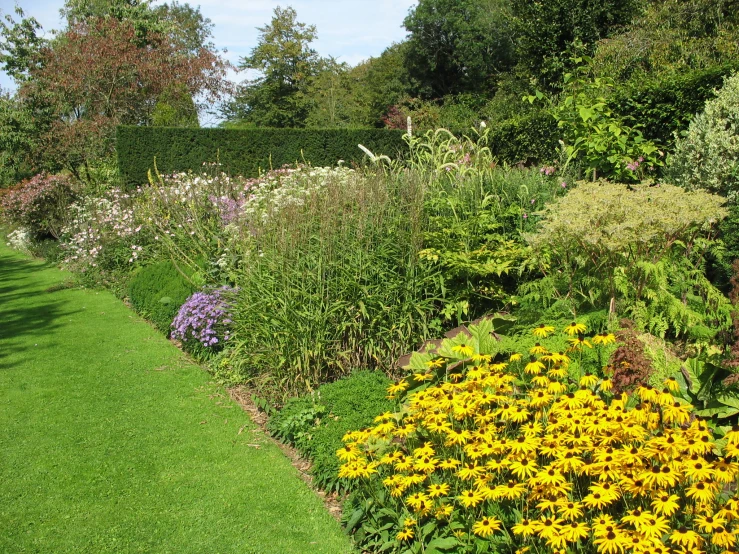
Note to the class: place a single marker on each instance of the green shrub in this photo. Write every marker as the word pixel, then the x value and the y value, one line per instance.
pixel 157 291
pixel 243 151
pixel 707 157
pixel 315 424
pixel 665 106
pixel 637 251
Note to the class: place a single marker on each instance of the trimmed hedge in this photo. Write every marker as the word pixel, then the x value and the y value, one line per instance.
pixel 665 107
pixel 530 138
pixel 243 151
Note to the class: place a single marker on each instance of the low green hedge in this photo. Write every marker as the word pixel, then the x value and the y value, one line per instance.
pixel 315 424
pixel 243 151
pixel 157 291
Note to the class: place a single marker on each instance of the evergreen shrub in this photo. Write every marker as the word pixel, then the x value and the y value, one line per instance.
pixel 157 291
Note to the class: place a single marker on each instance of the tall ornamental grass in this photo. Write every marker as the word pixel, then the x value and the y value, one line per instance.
pixel 331 280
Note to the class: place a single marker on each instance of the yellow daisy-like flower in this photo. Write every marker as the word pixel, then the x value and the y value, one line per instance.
pixel 575 328
pixel 515 357
pixel 672 384
pixel 438 489
pixel 400 386
pixel 443 511
pixel 683 536
pixel 463 349
pixel 486 526
pixel 405 534
pixel 525 528
pixel 416 500
pixel 421 377
pixel 538 349
pixel 534 367
pixel 435 364
pixel 604 339
pixel 665 504
pixel 543 331
pixel 470 498
pixel 588 380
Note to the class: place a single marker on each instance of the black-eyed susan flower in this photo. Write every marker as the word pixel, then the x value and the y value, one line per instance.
pixel 486 526
pixel 603 339
pixel 398 387
pixel 682 536
pixel 543 331
pixel 534 367
pixel 588 380
pixel 665 503
pixel 569 510
pixel 575 328
pixel 470 498
pixel 463 349
pixel 611 543
pixel 525 528
pixel 515 357
pixel 436 490
pixel 538 349
pixel 405 535
pixel 575 531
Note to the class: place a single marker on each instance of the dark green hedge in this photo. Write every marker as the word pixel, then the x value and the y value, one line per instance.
pixel 666 106
pixel 243 151
pixel 530 138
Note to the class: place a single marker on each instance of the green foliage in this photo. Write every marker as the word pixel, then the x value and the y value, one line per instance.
pixel 594 136
pixel 528 138
pixel 20 45
pixel 331 280
pixel 711 388
pixel 157 291
pixel 18 139
pixel 315 423
pixel 546 31
pixel 664 106
pixel 458 46
pixel 175 108
pixel 287 63
pixel 707 157
pixel 637 250
pixel 242 151
pixel 670 38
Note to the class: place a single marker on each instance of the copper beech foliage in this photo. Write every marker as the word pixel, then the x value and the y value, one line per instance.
pixel 100 74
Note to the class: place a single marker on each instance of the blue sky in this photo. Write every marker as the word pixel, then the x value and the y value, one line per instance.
pixel 350 30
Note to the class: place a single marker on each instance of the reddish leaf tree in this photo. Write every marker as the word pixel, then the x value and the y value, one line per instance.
pixel 99 74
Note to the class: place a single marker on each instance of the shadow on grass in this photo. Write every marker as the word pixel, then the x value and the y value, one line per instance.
pixel 26 310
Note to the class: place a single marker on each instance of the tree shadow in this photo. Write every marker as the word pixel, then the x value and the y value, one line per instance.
pixel 21 321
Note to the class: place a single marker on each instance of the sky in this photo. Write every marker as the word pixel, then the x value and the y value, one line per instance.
pixel 349 30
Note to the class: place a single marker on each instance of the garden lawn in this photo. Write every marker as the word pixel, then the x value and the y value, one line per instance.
pixel 110 441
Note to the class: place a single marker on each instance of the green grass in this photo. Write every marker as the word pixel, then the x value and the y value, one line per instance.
pixel 110 441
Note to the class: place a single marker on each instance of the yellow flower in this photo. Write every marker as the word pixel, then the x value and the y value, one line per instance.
pixel 575 531
pixel 416 500
pixel 588 380
pixel 604 338
pixel 398 387
pixel 438 489
pixel 348 453
pixel 569 510
pixel 538 349
pixel 470 498
pixel 665 503
pixel 534 367
pixel 524 527
pixel 421 377
pixel 463 349
pixel 515 357
pixel 405 534
pixel 672 384
pixel 542 331
pixel 443 511
pixel 436 363
pixel 575 328
pixel 683 536
pixel 486 526
pixel 611 542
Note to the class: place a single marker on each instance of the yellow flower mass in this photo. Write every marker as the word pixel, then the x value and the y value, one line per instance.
pixel 523 454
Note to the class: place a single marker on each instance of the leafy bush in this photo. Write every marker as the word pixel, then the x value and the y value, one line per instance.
pixel 593 134
pixel 495 451
pixel 707 157
pixel 635 250
pixel 203 321
pixel 316 423
pixel 157 291
pixel 40 204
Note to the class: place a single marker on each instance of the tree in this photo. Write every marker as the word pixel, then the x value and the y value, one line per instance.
pixel 287 65
pixel 98 75
pixel 20 45
pixel 457 46
pixel 546 32
pixel 18 133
